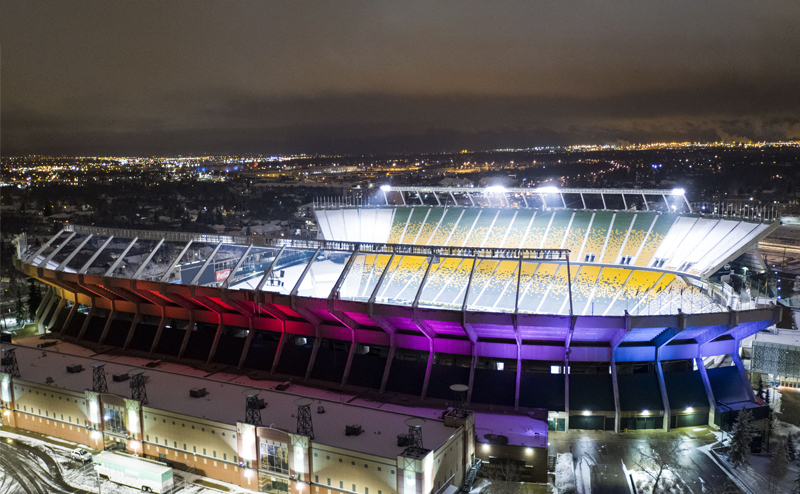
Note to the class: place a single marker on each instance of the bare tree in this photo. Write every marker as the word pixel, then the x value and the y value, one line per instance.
pixel 503 476
pixel 656 457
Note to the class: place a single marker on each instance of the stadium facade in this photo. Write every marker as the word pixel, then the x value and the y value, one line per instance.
pixel 533 298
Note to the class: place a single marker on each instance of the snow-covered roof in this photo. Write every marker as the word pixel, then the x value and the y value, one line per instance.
pixel 225 402
pixel 519 429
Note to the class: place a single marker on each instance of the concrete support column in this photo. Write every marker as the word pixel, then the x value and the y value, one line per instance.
pixel 187 335
pixel 428 369
pixel 278 352
pixel 663 388
pixel 161 325
pixel 41 315
pixel 616 395
pixel 217 336
pixel 314 350
pixel 742 372
pixel 247 342
pixel 86 321
pixel 107 327
pixel 566 394
pixel 45 303
pixel 712 402
pixel 49 324
pixel 137 316
pixel 518 377
pixel 350 356
pixel 388 365
pixel 473 362
pixel 70 316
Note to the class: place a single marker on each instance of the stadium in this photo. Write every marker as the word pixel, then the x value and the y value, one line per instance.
pixel 602 306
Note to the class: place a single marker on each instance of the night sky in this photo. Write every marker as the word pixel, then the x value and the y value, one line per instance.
pixel 192 77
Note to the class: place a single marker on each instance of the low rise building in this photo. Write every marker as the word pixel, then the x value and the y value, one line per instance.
pixel 175 415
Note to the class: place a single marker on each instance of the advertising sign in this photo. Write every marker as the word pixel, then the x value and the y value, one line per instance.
pixel 223 275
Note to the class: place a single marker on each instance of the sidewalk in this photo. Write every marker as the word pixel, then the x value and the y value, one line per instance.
pixel 60 449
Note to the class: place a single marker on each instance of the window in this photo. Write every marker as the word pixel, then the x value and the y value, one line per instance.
pixel 366 466
pixel 329 481
pixel 274 456
pixel 215 453
pixel 625 260
pixel 165 443
pixel 589 258
pixel 175 443
pixel 341 485
pixel 340 460
pixel 327 457
pixel 204 451
pixel 194 449
pixel 148 437
pixel 316 479
pixel 366 490
pixel 379 469
pixel 354 487
pixel 392 472
pixel 353 463
pixel 224 456
pixel 184 446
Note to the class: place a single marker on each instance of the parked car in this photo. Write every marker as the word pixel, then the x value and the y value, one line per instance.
pixel 81 454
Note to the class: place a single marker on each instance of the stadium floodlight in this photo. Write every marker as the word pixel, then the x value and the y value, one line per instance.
pixel 678 192
pixel 499 189
pixel 548 190
pixel 386 187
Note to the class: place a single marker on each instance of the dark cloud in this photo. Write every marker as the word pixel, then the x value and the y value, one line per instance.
pixel 278 77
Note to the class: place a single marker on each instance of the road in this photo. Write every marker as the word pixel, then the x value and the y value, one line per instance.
pixel 601 454
pixel 25 469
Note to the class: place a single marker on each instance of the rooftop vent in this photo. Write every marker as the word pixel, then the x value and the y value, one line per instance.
pixel 198 392
pixel 496 438
pixel 74 369
pixel 154 363
pixel 352 430
pixel 283 386
pixel 120 377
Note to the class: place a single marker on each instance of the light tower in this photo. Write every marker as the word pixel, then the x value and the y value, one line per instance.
pixel 99 384
pixel 138 390
pixel 9 362
pixel 304 425
pixel 459 399
pixel 415 447
pixel 252 407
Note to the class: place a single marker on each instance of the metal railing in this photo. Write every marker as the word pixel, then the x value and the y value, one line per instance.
pixel 157 235
pixel 420 250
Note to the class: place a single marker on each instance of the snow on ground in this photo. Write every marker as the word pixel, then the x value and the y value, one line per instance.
pixel 583 474
pixel 669 483
pixel 565 474
pixel 84 477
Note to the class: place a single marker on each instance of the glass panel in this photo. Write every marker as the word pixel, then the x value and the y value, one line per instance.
pixel 494 286
pixel 446 285
pixel 162 260
pixel 252 268
pixel 192 261
pixel 402 281
pixel 108 256
pixel 287 270
pixel 134 258
pixel 364 275
pixel 50 248
pixel 324 273
pixel 221 266
pixel 68 249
